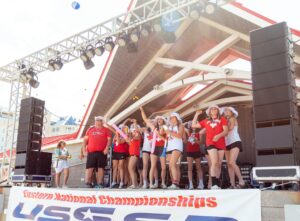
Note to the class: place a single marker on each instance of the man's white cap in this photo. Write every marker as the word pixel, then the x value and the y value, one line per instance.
pixel 99 118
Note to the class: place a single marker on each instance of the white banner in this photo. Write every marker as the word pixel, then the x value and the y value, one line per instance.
pixel 42 204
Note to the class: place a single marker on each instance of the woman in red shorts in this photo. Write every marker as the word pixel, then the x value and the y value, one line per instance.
pixel 216 130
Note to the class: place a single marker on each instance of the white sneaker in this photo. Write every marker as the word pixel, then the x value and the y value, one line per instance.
pixel 145 186
pixel 155 186
pixel 173 187
pixel 191 187
pixel 163 186
pixel 215 187
pixel 200 186
pixel 65 187
pixel 132 187
pixel 121 185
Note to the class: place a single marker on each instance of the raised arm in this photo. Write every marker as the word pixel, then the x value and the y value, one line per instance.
pixel 146 120
pixel 195 119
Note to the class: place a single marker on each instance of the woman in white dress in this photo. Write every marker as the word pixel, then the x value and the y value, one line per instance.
pixel 61 163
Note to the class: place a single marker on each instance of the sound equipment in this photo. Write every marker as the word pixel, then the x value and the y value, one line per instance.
pixel 29 158
pixel 283 173
pixel 277 131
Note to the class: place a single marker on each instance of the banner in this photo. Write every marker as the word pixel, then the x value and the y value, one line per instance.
pixel 42 204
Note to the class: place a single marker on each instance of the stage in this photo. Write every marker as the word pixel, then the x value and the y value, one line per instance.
pixel 272 203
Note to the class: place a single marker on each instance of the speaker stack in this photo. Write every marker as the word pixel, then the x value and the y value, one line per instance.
pixel 29 158
pixel 274 97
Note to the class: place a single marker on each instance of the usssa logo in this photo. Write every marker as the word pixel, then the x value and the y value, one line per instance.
pixel 41 212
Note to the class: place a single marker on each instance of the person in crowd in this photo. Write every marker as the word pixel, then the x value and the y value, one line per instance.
pixel 134 141
pixel 61 163
pixel 193 154
pixel 174 147
pixel 216 130
pixel 159 152
pixel 202 139
pixel 119 154
pixel 96 145
pixel 233 148
pixel 146 151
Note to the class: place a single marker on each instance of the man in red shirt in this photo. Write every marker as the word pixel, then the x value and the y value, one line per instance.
pixel 96 144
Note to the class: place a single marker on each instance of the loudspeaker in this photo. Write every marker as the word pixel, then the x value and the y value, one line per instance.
pixel 30 125
pixel 26 163
pixel 274 97
pixel 44 165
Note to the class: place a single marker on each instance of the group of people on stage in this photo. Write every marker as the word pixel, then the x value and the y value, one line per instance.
pixel 161 142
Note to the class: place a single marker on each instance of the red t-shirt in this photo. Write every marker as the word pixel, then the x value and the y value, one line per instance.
pixel 97 138
pixel 134 147
pixel 121 148
pixel 214 127
pixel 191 145
pixel 159 142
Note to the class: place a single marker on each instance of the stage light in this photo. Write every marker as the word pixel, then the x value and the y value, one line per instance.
pixel 90 52
pixel 58 64
pixel 109 44
pixel 134 35
pixel 34 82
pixel 145 30
pixel 210 8
pixel 99 48
pixel 132 47
pixel 83 56
pixel 51 65
pixel 122 39
pixel 88 64
pixel 196 10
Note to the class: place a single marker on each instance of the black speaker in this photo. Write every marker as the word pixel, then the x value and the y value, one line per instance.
pixel 275 111
pixel 26 163
pixel 44 165
pixel 30 125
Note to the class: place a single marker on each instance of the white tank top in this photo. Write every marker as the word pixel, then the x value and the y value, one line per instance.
pixel 147 142
pixel 232 136
pixel 174 143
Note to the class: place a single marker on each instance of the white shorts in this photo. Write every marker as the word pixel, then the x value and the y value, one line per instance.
pixel 61 165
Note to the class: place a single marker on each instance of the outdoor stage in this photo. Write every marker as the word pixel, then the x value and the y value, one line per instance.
pixel 79 204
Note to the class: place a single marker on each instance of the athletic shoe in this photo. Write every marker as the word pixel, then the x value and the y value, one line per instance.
pixel 99 186
pixel 114 185
pixel 121 186
pixel 163 186
pixel 132 187
pixel 191 187
pixel 65 187
pixel 215 187
pixel 155 186
pixel 173 187
pixel 200 186
pixel 145 186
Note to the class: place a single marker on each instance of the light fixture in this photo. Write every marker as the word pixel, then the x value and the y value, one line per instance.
pixel 132 47
pixel 83 56
pixel 210 8
pixel 58 63
pixel 33 82
pixel 51 65
pixel 122 39
pixel 134 35
pixel 196 10
pixel 109 44
pixel 99 48
pixel 88 64
pixel 90 52
pixel 145 30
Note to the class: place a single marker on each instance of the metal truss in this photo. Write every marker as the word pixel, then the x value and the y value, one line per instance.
pixel 19 89
pixel 69 49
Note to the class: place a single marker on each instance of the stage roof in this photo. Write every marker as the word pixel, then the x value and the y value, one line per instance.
pixel 215 40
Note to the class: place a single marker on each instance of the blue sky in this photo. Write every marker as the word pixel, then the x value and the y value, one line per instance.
pixel 27 26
